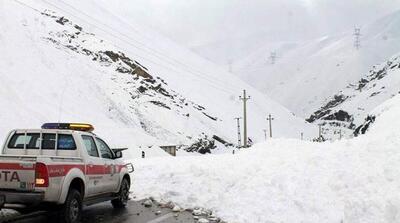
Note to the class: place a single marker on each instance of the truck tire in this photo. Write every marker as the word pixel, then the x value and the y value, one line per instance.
pixel 123 195
pixel 72 208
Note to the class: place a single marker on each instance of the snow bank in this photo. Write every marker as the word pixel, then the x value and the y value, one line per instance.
pixel 289 180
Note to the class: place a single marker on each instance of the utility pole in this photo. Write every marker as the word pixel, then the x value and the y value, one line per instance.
pixel 340 134
pixel 272 57
pixel 270 119
pixel 238 127
pixel 357 38
pixel 244 98
pixel 265 134
pixel 230 66
pixel 320 131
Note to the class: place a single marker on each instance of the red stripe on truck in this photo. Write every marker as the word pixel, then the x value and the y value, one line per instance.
pixel 95 169
pixel 62 170
pixel 16 166
pixel 120 167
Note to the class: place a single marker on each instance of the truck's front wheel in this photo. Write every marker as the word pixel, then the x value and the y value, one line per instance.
pixel 72 209
pixel 123 195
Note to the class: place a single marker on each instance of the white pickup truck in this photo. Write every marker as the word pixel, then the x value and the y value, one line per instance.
pixel 62 165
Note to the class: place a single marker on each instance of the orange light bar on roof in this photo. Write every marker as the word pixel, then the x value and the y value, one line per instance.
pixel 71 126
pixel 81 127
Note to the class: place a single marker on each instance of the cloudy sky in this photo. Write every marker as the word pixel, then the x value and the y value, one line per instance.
pixel 198 22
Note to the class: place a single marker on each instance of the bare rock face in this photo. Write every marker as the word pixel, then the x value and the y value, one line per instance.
pixel 362 129
pixel 144 86
pixel 203 145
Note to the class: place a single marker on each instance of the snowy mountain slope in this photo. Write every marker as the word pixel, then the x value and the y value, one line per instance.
pixel 60 63
pixel 349 107
pixel 307 72
pixel 287 181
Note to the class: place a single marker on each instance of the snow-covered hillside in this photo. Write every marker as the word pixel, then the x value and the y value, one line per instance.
pixel 306 73
pixel 287 181
pixel 349 107
pixel 61 62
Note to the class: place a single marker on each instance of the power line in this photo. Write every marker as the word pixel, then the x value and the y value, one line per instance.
pixel 28 6
pixel 210 82
pixel 164 58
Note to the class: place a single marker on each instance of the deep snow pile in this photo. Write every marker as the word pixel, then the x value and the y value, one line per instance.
pixel 288 180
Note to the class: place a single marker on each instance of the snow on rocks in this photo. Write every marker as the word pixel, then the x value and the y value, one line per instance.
pixel 197 212
pixel 203 220
pixel 176 208
pixel 148 203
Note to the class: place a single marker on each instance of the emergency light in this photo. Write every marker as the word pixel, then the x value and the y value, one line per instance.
pixel 69 126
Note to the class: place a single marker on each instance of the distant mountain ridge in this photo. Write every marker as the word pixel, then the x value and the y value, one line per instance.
pixel 349 107
pixel 303 74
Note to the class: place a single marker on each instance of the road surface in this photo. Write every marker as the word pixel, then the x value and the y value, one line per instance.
pixel 134 213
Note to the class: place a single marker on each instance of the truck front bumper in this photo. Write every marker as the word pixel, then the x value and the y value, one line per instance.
pixel 23 198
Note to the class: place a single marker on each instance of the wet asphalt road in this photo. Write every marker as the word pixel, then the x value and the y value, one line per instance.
pixel 134 213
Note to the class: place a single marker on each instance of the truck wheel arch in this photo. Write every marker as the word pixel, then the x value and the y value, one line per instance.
pixel 77 184
pixel 128 177
pixel 74 179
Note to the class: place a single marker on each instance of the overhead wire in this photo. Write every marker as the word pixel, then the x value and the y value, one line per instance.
pixel 213 82
pixel 210 82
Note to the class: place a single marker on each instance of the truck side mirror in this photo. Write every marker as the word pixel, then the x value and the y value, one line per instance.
pixel 130 167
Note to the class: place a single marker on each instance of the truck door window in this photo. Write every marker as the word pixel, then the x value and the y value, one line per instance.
pixel 18 140
pixel 104 149
pixel 66 142
pixel 49 141
pixel 90 146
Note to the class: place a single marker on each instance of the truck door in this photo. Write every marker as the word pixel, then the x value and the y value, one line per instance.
pixel 94 167
pixel 112 182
